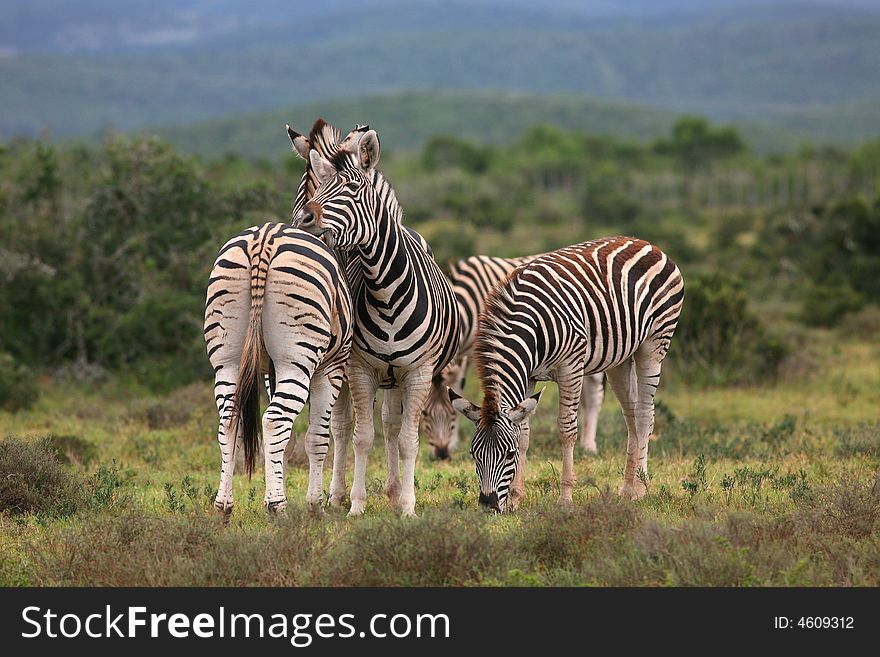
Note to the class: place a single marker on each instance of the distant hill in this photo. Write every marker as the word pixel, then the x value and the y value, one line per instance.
pixel 406 120
pixel 127 65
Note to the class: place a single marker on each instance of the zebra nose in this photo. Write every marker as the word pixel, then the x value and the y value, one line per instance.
pixel 441 453
pixel 490 501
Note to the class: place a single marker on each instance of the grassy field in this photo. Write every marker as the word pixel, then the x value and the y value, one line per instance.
pixel 749 486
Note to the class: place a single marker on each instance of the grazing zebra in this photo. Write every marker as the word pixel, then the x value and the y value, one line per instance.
pixel 277 302
pixel 472 279
pixel 608 305
pixel 406 318
pixel 326 140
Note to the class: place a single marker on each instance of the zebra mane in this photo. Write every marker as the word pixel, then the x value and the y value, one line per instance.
pixel 491 326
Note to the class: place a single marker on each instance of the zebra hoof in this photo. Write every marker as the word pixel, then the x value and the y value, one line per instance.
pixel 634 491
pixel 336 500
pixel 276 507
pixel 565 503
pixel 357 508
pixel 223 506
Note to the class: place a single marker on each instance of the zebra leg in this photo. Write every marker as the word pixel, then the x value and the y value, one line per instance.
pixel 341 419
pixel 592 396
pixel 517 486
pixel 570 381
pixel 648 360
pixel 415 386
pixel 391 413
pixel 624 384
pixel 322 396
pixel 290 396
pixel 363 387
pixel 224 388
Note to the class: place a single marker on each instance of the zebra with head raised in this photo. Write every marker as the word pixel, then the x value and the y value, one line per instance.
pixel 277 302
pixel 472 280
pixel 406 317
pixel 608 305
pixel 327 141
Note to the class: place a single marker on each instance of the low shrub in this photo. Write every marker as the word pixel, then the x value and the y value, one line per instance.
pixel 18 388
pixel 33 480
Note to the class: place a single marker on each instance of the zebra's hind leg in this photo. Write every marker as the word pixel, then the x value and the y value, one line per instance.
pixel 570 380
pixel 341 420
pixel 415 387
pixel 363 385
pixel 322 396
pixel 592 396
pixel 624 384
pixel 391 412
pixel 648 360
pixel 224 390
pixel 291 392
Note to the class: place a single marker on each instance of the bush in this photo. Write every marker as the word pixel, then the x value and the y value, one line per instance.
pixel 72 450
pixel 719 340
pixel 826 305
pixel 33 481
pixel 437 549
pixel 18 389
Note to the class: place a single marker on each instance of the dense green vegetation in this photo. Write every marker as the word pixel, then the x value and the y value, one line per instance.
pixel 106 249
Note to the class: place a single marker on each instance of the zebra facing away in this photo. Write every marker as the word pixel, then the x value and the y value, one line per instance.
pixel 406 325
pixel 472 280
pixel 277 302
pixel 608 305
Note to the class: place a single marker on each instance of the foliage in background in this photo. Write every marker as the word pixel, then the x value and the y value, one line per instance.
pixel 106 250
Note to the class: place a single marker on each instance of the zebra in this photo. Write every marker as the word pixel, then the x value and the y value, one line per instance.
pixel 609 305
pixel 406 325
pixel 472 280
pixel 326 140
pixel 277 302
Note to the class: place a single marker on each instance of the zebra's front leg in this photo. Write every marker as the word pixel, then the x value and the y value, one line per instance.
pixel 287 403
pixel 224 391
pixel 363 385
pixel 415 386
pixel 624 384
pixel 341 419
pixel 570 380
pixel 592 396
pixel 323 392
pixel 391 414
pixel 518 485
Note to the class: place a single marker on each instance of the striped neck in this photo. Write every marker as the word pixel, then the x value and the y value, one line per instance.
pixel 504 353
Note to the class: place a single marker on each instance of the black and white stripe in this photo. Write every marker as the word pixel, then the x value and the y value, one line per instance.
pixel 406 324
pixel 608 305
pixel 472 280
pixel 277 303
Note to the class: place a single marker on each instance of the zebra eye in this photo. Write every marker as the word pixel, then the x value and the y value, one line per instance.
pixel 511 453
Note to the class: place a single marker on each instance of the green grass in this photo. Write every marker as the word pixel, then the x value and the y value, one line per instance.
pixel 750 486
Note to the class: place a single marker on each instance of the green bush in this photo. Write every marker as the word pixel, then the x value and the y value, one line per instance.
pixel 826 305
pixel 18 389
pixel 33 481
pixel 719 340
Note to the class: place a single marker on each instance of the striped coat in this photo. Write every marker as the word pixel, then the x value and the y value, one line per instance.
pixel 608 305
pixel 277 303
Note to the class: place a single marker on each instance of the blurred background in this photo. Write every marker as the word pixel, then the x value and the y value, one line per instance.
pixel 740 136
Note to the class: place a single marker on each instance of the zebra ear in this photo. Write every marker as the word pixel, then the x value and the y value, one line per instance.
pixel 368 150
pixel 321 166
pixel 525 408
pixel 463 406
pixel 300 143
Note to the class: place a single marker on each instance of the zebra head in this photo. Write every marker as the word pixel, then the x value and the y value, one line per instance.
pixel 344 203
pixel 495 446
pixel 439 419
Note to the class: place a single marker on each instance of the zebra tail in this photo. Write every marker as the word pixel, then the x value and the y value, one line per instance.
pixel 246 407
